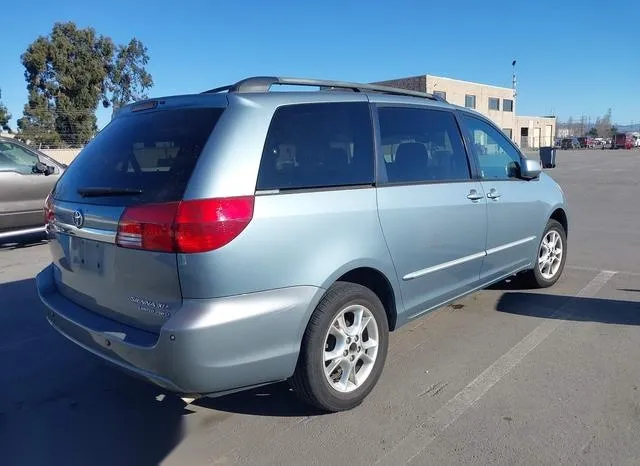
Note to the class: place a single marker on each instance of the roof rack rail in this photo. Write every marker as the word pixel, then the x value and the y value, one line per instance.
pixel 264 84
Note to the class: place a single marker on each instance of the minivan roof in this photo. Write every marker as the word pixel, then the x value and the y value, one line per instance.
pixel 265 83
pixel 174 101
pixel 259 90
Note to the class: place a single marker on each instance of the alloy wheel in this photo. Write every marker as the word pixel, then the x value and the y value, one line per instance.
pixel 550 255
pixel 351 348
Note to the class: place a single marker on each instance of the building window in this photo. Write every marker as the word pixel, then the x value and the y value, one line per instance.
pixel 507 105
pixel 441 94
pixel 494 103
pixel 508 132
pixel 470 101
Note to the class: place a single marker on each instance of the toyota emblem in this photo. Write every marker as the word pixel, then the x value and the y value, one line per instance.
pixel 78 219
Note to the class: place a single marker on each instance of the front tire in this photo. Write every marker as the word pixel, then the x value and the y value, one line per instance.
pixel 551 257
pixel 343 349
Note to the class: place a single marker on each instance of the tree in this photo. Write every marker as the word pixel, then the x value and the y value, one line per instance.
pixel 5 116
pixel 68 73
pixel 603 125
pixel 38 124
pixel 129 79
pixel 593 132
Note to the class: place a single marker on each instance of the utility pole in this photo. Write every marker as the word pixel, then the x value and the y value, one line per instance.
pixel 513 78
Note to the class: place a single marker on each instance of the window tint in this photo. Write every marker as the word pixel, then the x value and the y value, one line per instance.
pixel 507 105
pixel 494 104
pixel 421 145
pixel 470 101
pixel 15 158
pixel 318 145
pixel 498 158
pixel 153 151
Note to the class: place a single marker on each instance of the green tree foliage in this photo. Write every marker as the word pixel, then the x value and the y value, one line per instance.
pixel 68 73
pixel 129 78
pixel 593 132
pixel 38 123
pixel 5 116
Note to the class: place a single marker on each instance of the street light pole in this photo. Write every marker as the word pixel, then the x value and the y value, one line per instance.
pixel 513 82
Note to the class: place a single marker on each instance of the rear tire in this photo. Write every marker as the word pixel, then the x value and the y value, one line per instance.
pixel 343 349
pixel 550 259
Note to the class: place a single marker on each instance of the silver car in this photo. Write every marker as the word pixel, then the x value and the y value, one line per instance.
pixel 216 242
pixel 26 178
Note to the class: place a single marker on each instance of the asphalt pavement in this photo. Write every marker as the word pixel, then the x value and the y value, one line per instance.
pixel 506 376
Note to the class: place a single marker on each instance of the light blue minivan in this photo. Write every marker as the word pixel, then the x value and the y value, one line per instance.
pixel 216 242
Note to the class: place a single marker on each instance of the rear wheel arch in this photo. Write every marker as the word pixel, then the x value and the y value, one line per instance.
pixel 377 282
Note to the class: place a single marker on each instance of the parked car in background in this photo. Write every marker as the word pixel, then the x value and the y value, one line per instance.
pixel 586 142
pixel 570 143
pixel 240 237
pixel 622 141
pixel 26 178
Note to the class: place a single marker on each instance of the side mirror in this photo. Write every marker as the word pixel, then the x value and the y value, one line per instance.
pixel 40 167
pixel 530 169
pixel 43 168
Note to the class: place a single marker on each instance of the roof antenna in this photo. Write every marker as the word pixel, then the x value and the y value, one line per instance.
pixel 513 82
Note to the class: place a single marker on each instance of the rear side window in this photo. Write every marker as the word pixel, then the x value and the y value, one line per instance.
pixel 150 154
pixel 318 146
pixel 421 145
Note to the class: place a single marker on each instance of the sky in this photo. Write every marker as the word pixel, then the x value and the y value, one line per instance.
pixel 571 60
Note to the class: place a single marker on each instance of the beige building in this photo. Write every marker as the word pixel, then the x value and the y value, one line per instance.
pixel 536 131
pixel 496 103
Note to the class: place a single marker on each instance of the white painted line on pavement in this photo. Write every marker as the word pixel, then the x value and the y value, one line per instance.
pixel 594 269
pixel 419 439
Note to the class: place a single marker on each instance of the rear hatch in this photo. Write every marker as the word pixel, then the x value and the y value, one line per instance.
pixel 136 169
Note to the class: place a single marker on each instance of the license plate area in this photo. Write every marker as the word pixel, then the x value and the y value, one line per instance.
pixel 86 256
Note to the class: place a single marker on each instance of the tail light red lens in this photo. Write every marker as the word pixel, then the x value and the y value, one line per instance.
pixel 148 227
pixel 49 215
pixel 185 227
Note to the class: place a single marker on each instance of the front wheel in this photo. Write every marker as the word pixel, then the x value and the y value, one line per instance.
pixel 551 257
pixel 343 350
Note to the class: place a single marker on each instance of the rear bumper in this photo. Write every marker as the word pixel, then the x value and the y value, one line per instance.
pixel 209 346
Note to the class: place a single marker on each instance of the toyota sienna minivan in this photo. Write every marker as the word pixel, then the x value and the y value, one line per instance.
pixel 216 242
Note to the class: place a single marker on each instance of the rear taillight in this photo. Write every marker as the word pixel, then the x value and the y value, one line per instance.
pixel 49 216
pixel 187 226
pixel 148 227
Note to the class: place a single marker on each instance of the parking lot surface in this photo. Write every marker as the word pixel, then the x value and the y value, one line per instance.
pixel 505 376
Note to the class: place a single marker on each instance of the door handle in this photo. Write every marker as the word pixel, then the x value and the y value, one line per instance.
pixel 493 194
pixel 474 195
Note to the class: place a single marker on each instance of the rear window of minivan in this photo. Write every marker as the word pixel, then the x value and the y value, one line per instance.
pixel 149 155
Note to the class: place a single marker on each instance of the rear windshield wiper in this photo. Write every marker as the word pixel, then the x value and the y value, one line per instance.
pixel 107 191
